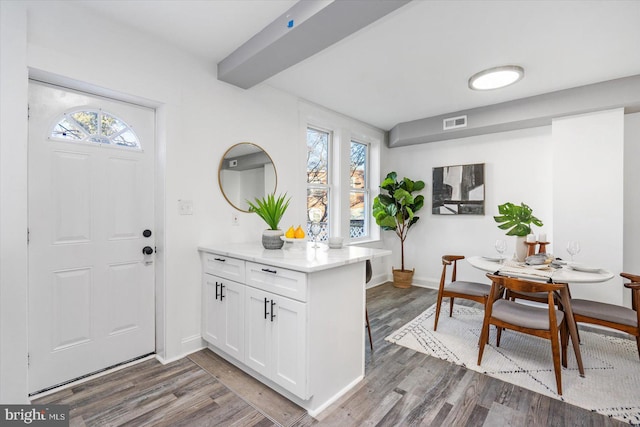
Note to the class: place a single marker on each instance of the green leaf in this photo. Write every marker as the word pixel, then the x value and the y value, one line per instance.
pixel 516 219
pixel 388 222
pixel 385 200
pixel 270 209
pixel 403 197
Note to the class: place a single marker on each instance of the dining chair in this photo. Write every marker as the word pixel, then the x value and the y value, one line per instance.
pixel 369 273
pixel 474 291
pixel 543 322
pixel 610 315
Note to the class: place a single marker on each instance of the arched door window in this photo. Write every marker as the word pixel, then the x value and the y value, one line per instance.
pixel 94 126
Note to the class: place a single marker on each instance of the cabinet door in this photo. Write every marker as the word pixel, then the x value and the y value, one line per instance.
pixel 257 330
pixel 212 310
pixel 289 345
pixel 223 314
pixel 232 322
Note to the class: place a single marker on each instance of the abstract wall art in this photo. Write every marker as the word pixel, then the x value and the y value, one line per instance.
pixel 458 190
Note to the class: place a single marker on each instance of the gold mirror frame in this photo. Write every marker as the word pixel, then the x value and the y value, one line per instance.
pixel 248 157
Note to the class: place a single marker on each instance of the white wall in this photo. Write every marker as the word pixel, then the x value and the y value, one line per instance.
pixel 517 169
pixel 13 203
pixel 588 194
pixel 631 261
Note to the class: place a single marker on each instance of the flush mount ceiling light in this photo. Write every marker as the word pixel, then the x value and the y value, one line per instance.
pixel 497 77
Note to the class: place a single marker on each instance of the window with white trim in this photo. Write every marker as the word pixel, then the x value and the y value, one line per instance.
pixel 318 191
pixel 359 191
pixel 94 126
pixel 343 158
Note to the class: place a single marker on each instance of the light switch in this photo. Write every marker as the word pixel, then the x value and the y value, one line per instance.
pixel 185 207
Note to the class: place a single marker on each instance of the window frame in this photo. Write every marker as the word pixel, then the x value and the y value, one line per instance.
pixel 366 191
pixel 323 187
pixel 344 130
pixel 90 138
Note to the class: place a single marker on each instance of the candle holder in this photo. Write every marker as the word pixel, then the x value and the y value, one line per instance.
pixel 532 248
pixel 543 247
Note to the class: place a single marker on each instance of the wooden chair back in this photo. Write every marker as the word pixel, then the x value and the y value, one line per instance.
pixel 506 319
pixel 447 260
pixel 473 291
pixel 634 285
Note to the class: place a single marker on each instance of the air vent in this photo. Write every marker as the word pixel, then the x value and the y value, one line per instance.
pixel 454 122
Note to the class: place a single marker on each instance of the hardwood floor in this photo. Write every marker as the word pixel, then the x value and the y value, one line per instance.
pixel 401 387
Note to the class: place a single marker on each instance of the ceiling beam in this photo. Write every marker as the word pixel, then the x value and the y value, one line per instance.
pixel 304 30
pixel 523 113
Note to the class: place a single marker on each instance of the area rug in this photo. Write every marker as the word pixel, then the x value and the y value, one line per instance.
pixel 611 385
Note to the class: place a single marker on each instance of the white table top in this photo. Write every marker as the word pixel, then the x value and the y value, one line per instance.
pixel 297 256
pixel 563 275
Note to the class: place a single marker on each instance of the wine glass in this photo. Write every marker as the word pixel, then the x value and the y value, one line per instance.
pixel 501 246
pixel 315 230
pixel 573 247
pixel 315 215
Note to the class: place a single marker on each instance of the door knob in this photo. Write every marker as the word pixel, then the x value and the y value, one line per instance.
pixel 147 250
pixel 146 233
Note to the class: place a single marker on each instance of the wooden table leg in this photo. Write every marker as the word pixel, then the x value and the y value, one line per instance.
pixel 573 329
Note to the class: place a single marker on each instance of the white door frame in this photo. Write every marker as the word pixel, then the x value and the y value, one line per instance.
pixel 159 187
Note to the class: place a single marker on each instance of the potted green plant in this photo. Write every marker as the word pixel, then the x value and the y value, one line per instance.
pixel 394 209
pixel 517 219
pixel 271 209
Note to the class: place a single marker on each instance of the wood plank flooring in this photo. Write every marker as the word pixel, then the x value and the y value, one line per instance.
pixel 401 388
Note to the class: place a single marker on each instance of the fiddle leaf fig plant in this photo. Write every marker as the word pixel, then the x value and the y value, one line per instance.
pixel 516 219
pixel 396 206
pixel 270 208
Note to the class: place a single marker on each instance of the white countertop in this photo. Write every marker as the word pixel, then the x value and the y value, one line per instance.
pixel 297 256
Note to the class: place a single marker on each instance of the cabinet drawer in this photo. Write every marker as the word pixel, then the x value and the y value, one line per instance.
pixel 223 266
pixel 280 281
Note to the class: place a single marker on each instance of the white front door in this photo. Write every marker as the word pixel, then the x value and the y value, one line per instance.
pixel 91 188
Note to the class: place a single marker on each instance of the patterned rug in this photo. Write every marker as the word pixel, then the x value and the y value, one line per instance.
pixel 611 385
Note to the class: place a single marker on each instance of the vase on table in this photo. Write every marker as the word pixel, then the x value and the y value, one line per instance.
pixel 521 248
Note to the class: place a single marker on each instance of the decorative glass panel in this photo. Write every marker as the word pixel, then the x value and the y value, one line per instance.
pixel 127 139
pixel 88 120
pixel 95 127
pixel 111 125
pixel 65 129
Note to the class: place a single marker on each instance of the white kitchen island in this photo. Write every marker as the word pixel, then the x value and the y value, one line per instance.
pixel 293 318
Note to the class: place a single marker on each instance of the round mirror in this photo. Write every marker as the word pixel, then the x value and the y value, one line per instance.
pixel 246 172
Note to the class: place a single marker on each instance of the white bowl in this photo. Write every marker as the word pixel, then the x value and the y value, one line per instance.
pixel 335 242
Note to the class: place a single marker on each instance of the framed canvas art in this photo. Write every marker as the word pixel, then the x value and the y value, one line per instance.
pixel 458 190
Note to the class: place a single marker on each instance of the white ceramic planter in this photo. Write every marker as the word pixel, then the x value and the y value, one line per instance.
pixel 521 248
pixel 271 239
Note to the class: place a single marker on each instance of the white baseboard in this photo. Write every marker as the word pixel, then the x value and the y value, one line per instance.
pixel 189 345
pixel 314 413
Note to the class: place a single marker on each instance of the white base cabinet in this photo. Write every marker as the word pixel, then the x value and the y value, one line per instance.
pixel 292 319
pixel 276 339
pixel 223 314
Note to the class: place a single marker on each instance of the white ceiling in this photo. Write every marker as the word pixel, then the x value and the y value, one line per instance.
pixel 415 62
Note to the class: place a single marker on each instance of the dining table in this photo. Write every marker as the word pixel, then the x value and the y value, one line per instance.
pixel 567 273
